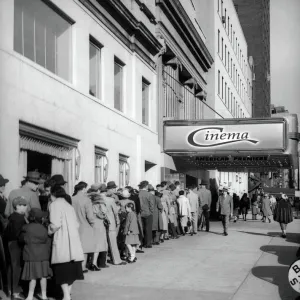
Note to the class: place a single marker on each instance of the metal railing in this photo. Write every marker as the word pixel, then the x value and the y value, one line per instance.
pixel 180 102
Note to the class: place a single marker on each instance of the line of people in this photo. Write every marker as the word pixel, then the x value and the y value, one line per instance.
pixel 48 236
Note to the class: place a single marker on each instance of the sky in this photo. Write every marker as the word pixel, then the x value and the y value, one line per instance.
pixel 285 53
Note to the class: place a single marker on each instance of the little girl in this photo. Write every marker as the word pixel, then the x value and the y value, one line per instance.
pixel 36 252
pixel 131 232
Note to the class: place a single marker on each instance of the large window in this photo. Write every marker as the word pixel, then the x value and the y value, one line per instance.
pixel 118 84
pixel 218 41
pixel 101 165
pixel 145 101
pixel 95 68
pixel 124 171
pixel 43 34
pixel 219 82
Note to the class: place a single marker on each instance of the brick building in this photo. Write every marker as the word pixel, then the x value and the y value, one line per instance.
pixel 254 17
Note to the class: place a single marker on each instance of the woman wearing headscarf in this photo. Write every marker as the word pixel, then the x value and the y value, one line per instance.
pixel 67 254
pixel 283 213
pixel 266 208
pixel 84 211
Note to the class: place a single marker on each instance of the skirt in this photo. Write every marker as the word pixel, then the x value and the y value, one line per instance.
pixel 36 270
pixel 236 212
pixel 67 273
pixel 132 239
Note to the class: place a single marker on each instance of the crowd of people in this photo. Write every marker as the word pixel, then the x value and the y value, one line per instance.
pixel 51 237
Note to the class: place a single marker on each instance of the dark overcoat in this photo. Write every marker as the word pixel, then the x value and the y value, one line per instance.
pixel 157 217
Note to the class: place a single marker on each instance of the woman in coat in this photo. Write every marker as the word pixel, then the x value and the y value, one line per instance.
pixel 164 215
pixel 254 207
pixel 100 238
pixel 157 218
pixel 67 254
pixel 244 206
pixel 266 208
pixel 113 223
pixel 84 212
pixel 283 213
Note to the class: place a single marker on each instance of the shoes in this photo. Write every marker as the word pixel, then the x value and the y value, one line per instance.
pixel 140 251
pixel 225 233
pixel 157 243
pixel 85 271
pixel 40 297
pixel 94 268
pixel 234 221
pixel 284 236
pixel 104 266
pixel 161 240
pixel 167 239
pixel 130 261
pixel 177 237
pixel 123 263
pixel 135 259
pixel 150 246
pixel 207 230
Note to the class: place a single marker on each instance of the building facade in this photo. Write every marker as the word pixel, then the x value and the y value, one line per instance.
pixel 78 90
pixel 254 18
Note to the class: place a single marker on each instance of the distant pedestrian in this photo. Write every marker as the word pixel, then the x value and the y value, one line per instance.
pixel 236 206
pixel 244 206
pixel 266 208
pixel 254 207
pixel 283 213
pixel 225 206
pixel 194 204
pixel 205 200
pixel 184 211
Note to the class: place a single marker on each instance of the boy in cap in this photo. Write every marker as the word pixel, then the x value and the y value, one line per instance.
pixel 11 234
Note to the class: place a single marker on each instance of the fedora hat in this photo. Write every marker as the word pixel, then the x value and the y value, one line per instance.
pixel 3 181
pixel 95 187
pixel 111 185
pixel 103 188
pixel 33 176
pixel 203 182
pixel 58 179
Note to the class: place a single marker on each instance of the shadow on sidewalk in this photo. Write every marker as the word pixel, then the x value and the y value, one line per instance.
pixel 278 275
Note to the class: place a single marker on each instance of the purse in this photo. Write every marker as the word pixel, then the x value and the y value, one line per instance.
pixel 189 223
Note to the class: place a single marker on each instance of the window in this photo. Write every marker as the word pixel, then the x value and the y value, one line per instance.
pixel 43 37
pixel 218 41
pixel 225 55
pixel 118 84
pixel 222 45
pixel 226 93
pixel 219 82
pixel 236 45
pixel 221 7
pixel 231 33
pixel 231 68
pixel 228 62
pixel 222 87
pixel 228 97
pixel 218 5
pixel 145 101
pixel 228 20
pixel 95 68
pixel 233 40
pixel 101 165
pixel 225 17
pixel 124 171
pixel 231 102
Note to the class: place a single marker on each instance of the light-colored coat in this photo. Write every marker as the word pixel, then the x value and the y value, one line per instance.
pixel 84 212
pixel 225 205
pixel 66 244
pixel 184 206
pixel 194 201
pixel 204 197
pixel 112 213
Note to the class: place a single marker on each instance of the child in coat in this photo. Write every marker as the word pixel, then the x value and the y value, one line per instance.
pixel 11 234
pixel 131 231
pixel 36 252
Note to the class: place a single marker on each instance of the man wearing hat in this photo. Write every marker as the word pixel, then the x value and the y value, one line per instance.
pixel 28 191
pixel 205 204
pixel 225 206
pixel 111 190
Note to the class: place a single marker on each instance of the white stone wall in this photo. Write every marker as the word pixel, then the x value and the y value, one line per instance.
pixel 32 94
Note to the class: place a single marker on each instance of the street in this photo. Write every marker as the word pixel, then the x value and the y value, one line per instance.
pixel 252 262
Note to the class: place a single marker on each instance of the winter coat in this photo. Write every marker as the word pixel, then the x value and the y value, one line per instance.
pixel 157 223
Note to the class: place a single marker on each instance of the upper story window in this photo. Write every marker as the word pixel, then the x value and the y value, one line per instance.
pixel 44 37
pixel 124 170
pixel 95 68
pixel 101 165
pixel 145 101
pixel 118 84
pixel 218 41
pixel 222 45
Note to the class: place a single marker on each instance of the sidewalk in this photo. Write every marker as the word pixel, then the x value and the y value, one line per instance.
pixel 251 263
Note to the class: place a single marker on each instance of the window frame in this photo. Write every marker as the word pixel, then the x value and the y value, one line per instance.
pixel 148 84
pixel 122 65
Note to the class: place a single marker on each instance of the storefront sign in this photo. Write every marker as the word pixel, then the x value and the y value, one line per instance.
pixel 239 136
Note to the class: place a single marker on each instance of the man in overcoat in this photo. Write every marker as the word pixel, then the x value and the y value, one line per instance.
pixel 205 200
pixel 194 204
pixel 225 206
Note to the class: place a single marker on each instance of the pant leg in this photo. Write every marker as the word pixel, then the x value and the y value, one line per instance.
pixel 149 230
pixel 144 227
pixel 223 222
pixel 226 223
pixel 130 252
pixel 172 230
pixel 15 253
pixel 112 244
pixel 206 219
pixel 101 261
pixel 3 268
pixel 194 222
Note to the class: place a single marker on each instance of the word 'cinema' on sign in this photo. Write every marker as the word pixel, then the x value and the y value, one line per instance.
pixel 218 137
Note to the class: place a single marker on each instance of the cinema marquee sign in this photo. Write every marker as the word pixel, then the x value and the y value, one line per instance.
pixel 225 136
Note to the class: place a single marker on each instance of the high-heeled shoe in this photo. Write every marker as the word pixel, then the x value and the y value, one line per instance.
pixel 94 268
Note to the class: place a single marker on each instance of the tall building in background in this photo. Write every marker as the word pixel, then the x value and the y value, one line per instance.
pixel 254 17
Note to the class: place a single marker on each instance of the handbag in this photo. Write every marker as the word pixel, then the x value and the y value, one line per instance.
pixel 189 223
pixel 205 207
